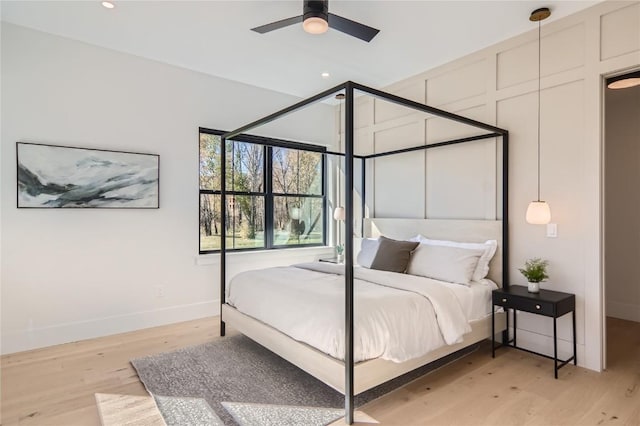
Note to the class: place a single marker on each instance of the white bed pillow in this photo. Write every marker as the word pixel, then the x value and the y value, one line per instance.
pixel 482 268
pixel 368 250
pixel 444 263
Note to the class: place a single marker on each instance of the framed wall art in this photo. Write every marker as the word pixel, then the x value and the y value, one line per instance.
pixel 52 176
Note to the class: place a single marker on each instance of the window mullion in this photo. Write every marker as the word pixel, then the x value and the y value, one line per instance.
pixel 239 196
pixel 233 187
pixel 268 197
pixel 323 189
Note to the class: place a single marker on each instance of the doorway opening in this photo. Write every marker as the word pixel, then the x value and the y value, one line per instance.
pixel 622 220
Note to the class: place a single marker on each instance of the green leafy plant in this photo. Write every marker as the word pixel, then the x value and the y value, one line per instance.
pixel 339 249
pixel 535 270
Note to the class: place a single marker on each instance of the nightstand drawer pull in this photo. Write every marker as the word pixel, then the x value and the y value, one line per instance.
pixel 538 306
pixel 504 300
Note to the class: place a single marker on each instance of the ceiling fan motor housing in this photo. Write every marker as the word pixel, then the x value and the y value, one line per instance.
pixel 316 19
pixel 316 9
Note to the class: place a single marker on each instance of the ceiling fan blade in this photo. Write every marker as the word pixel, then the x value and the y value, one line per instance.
pixel 278 24
pixel 352 28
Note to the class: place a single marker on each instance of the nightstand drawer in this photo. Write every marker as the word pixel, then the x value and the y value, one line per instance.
pixel 523 304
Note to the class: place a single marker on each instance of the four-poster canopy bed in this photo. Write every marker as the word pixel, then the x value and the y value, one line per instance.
pixel 345 375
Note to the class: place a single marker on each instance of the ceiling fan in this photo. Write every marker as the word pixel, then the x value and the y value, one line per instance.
pixel 316 19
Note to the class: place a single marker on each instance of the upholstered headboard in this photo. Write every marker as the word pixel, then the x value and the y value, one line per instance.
pixel 473 231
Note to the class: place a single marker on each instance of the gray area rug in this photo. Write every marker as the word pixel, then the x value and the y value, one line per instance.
pixel 235 381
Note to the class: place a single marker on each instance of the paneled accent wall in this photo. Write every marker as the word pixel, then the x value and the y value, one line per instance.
pixel 499 85
pixel 619 32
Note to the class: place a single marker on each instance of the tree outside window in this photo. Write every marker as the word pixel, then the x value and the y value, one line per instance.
pixel 294 192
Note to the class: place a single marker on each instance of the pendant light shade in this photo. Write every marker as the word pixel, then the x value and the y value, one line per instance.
pixel 295 213
pixel 538 213
pixel 338 213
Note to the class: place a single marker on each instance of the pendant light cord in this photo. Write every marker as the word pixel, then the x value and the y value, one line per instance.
pixel 539 76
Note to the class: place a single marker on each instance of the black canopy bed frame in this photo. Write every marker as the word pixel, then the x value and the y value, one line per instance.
pixel 277 341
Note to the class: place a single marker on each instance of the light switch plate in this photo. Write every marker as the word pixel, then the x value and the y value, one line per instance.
pixel 552 230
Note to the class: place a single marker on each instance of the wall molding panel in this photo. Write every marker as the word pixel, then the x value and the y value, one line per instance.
pixel 618 32
pixel 499 85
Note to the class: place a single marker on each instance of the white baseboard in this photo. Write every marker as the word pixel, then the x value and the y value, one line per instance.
pixel 625 311
pixel 99 327
pixel 544 344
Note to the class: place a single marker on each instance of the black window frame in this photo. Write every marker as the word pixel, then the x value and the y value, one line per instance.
pixel 268 144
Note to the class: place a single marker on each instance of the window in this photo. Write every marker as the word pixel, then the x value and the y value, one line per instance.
pixel 275 193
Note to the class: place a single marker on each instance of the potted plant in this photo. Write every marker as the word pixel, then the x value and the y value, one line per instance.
pixel 340 253
pixel 535 271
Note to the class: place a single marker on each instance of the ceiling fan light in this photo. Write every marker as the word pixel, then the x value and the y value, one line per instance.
pixel 315 25
pixel 538 213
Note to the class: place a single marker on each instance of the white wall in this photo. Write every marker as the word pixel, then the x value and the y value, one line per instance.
pixel 622 202
pixel 75 274
pixel 498 85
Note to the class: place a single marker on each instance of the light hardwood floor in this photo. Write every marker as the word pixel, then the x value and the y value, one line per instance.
pixel 56 386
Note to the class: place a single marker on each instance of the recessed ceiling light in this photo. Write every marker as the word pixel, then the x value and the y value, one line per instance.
pixel 325 75
pixel 624 81
pixel 108 4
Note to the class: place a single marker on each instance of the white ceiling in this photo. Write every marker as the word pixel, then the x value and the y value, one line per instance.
pixel 214 37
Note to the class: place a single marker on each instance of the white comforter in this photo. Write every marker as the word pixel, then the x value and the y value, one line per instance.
pixel 396 316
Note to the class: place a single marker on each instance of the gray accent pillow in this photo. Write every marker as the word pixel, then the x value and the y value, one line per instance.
pixel 392 255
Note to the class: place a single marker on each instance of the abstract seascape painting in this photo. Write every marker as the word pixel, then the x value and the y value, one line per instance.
pixel 51 176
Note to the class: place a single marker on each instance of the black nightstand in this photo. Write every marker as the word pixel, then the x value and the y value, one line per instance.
pixel 553 304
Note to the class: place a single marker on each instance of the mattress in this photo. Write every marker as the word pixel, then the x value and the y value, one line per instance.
pixel 397 317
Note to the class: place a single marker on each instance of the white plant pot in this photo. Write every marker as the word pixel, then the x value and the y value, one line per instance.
pixel 534 287
pixel 340 258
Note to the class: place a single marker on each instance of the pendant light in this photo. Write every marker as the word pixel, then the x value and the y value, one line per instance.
pixel 538 212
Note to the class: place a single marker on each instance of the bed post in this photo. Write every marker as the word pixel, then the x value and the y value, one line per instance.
pixel 363 193
pixel 505 223
pixel 348 356
pixel 223 229
pixel 505 210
